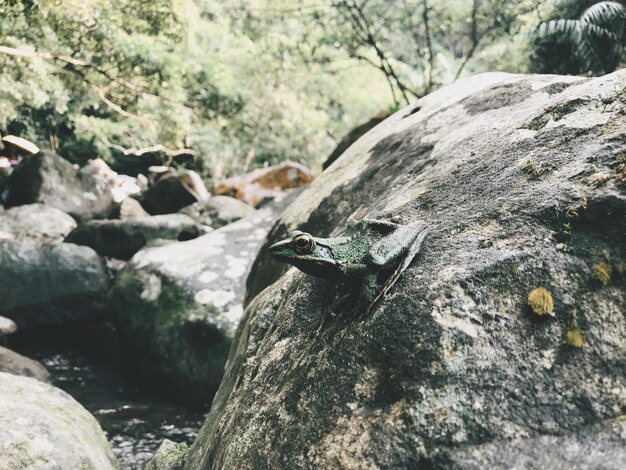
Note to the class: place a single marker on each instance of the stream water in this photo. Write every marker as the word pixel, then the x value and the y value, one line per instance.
pixel 135 421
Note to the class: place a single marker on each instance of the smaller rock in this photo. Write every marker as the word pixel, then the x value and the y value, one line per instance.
pixel 265 184
pixel 14 363
pixel 130 208
pixel 173 190
pixel 123 238
pixel 169 456
pixel 218 211
pixel 35 222
pixel 7 326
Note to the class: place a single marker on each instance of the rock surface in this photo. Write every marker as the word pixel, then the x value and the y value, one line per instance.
pixel 65 282
pixel 600 446
pixel 49 179
pixel 169 456
pixel 177 306
pixel 42 428
pixel 14 363
pixel 35 222
pixel 123 238
pixel 218 211
pixel 520 180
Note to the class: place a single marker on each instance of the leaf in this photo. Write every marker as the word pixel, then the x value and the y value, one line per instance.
pixel 602 12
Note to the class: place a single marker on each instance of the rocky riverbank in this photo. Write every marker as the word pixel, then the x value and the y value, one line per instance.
pixel 130 313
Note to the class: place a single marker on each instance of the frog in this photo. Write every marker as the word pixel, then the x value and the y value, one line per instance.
pixel 369 251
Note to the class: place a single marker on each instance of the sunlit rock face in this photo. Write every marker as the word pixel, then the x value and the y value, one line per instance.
pixel 521 180
pixel 42 427
pixel 177 306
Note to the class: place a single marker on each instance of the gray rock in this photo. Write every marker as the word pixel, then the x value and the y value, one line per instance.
pixel 7 326
pixel 521 180
pixel 131 209
pixel 169 456
pixel 46 284
pixel 42 427
pixel 600 446
pixel 49 179
pixel 174 190
pixel 177 306
pixel 35 222
pixel 218 211
pixel 123 238
pixel 14 363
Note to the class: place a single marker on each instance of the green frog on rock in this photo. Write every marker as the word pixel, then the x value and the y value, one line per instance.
pixel 372 252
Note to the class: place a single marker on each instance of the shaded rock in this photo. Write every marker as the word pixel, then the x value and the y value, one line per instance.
pixel 131 209
pixel 36 222
pixel 45 284
pixel 218 211
pixel 14 363
pixel 169 456
pixel 177 307
pixel 174 190
pixel 42 427
pixel 265 184
pixel 49 179
pixel 123 238
pixel 354 135
pixel 453 356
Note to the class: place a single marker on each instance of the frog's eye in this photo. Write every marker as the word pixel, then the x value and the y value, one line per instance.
pixel 303 243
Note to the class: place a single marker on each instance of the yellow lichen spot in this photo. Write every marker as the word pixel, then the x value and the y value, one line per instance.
pixel 540 300
pixel 602 272
pixel 574 338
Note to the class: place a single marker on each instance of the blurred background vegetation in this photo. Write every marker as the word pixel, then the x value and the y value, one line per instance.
pixel 245 83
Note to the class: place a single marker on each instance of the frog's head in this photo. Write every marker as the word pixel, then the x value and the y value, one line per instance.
pixel 307 253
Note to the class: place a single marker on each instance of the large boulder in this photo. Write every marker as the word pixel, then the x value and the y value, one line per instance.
pixel 177 306
pixel 14 363
pixel 46 284
pixel 522 182
pixel 42 427
pixel 218 211
pixel 36 222
pixel 49 179
pixel 123 238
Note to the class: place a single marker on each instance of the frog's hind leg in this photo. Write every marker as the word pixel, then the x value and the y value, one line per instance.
pixel 404 243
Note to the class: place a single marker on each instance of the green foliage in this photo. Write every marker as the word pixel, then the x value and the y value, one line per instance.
pixel 247 83
pixel 594 43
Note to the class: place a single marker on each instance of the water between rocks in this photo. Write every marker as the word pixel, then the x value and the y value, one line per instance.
pixel 135 421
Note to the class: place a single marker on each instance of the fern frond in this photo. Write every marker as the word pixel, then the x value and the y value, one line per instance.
pixel 603 11
pixel 562 26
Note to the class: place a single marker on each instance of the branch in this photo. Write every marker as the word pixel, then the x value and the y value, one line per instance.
pixel 73 66
pixel 138 152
